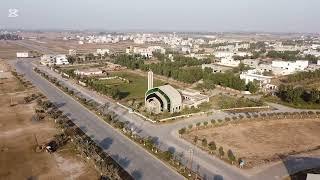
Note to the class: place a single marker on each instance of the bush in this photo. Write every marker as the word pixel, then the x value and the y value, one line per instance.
pixel 198 124
pixel 182 131
pixel 231 156
pixel 195 139
pixel 221 152
pixel 204 142
pixel 190 126
pixel 212 146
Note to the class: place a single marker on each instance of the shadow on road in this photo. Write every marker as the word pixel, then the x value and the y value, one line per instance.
pixel 59 105
pixel 136 174
pixel 123 161
pixel 298 166
pixel 106 143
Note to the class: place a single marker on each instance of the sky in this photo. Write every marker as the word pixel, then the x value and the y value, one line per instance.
pixel 164 15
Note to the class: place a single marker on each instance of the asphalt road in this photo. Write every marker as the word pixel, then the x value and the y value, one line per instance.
pixel 130 156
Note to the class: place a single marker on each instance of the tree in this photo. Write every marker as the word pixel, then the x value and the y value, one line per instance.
pixel 231 156
pixel 204 142
pixel 198 124
pixel 182 131
pixel 212 146
pixel 252 87
pixel 205 123
pixel 190 126
pixel 213 121
pixel 221 152
pixel 195 139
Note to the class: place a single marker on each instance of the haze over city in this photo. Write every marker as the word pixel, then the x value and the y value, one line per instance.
pixel 160 90
pixel 165 15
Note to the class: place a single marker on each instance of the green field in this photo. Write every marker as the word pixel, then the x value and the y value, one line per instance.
pixel 135 88
pixel 227 102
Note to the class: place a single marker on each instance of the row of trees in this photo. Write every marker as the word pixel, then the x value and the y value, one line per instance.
pixel 302 76
pixel 85 146
pixel 291 55
pixel 295 95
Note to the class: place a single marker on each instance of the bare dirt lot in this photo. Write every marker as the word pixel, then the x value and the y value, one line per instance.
pixel 257 142
pixel 19 136
pixel 8 50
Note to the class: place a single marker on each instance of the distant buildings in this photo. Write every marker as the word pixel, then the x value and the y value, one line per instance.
pixel 22 54
pixel 88 72
pixel 49 59
pixel 253 75
pixel 72 52
pixel 102 52
pixel 216 68
pixel 288 67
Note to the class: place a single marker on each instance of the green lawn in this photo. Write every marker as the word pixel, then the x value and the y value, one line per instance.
pixel 136 87
pixel 227 102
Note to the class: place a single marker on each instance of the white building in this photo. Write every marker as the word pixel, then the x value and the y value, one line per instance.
pixel 47 59
pixel 103 51
pixel 22 54
pixel 61 59
pixel 229 62
pixel 288 67
pixel 88 72
pixel 254 75
pixel 72 52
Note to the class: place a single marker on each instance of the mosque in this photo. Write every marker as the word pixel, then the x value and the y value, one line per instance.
pixel 168 99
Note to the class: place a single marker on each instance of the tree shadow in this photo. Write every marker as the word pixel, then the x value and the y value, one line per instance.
pixel 84 129
pixel 106 143
pixel 123 162
pixel 172 150
pixel 136 174
pixel 59 105
pixel 123 94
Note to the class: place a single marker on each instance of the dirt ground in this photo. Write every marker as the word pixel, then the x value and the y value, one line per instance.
pixel 9 50
pixel 257 142
pixel 18 140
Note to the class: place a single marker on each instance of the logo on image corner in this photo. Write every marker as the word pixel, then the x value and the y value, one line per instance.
pixel 12 13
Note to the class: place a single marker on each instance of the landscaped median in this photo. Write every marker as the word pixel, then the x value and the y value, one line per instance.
pixel 253 140
pixel 173 159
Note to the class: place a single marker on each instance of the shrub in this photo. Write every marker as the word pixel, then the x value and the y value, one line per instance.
pixel 213 121
pixel 195 139
pixel 212 146
pixel 204 142
pixel 205 123
pixel 231 156
pixel 190 126
pixel 221 152
pixel 182 131
pixel 198 124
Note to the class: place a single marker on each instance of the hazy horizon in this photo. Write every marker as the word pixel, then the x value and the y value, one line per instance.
pixel 278 16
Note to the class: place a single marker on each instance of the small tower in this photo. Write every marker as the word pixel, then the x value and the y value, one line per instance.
pixel 150 80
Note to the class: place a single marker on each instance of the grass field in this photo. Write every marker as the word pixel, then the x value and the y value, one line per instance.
pixel 135 89
pixel 227 102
